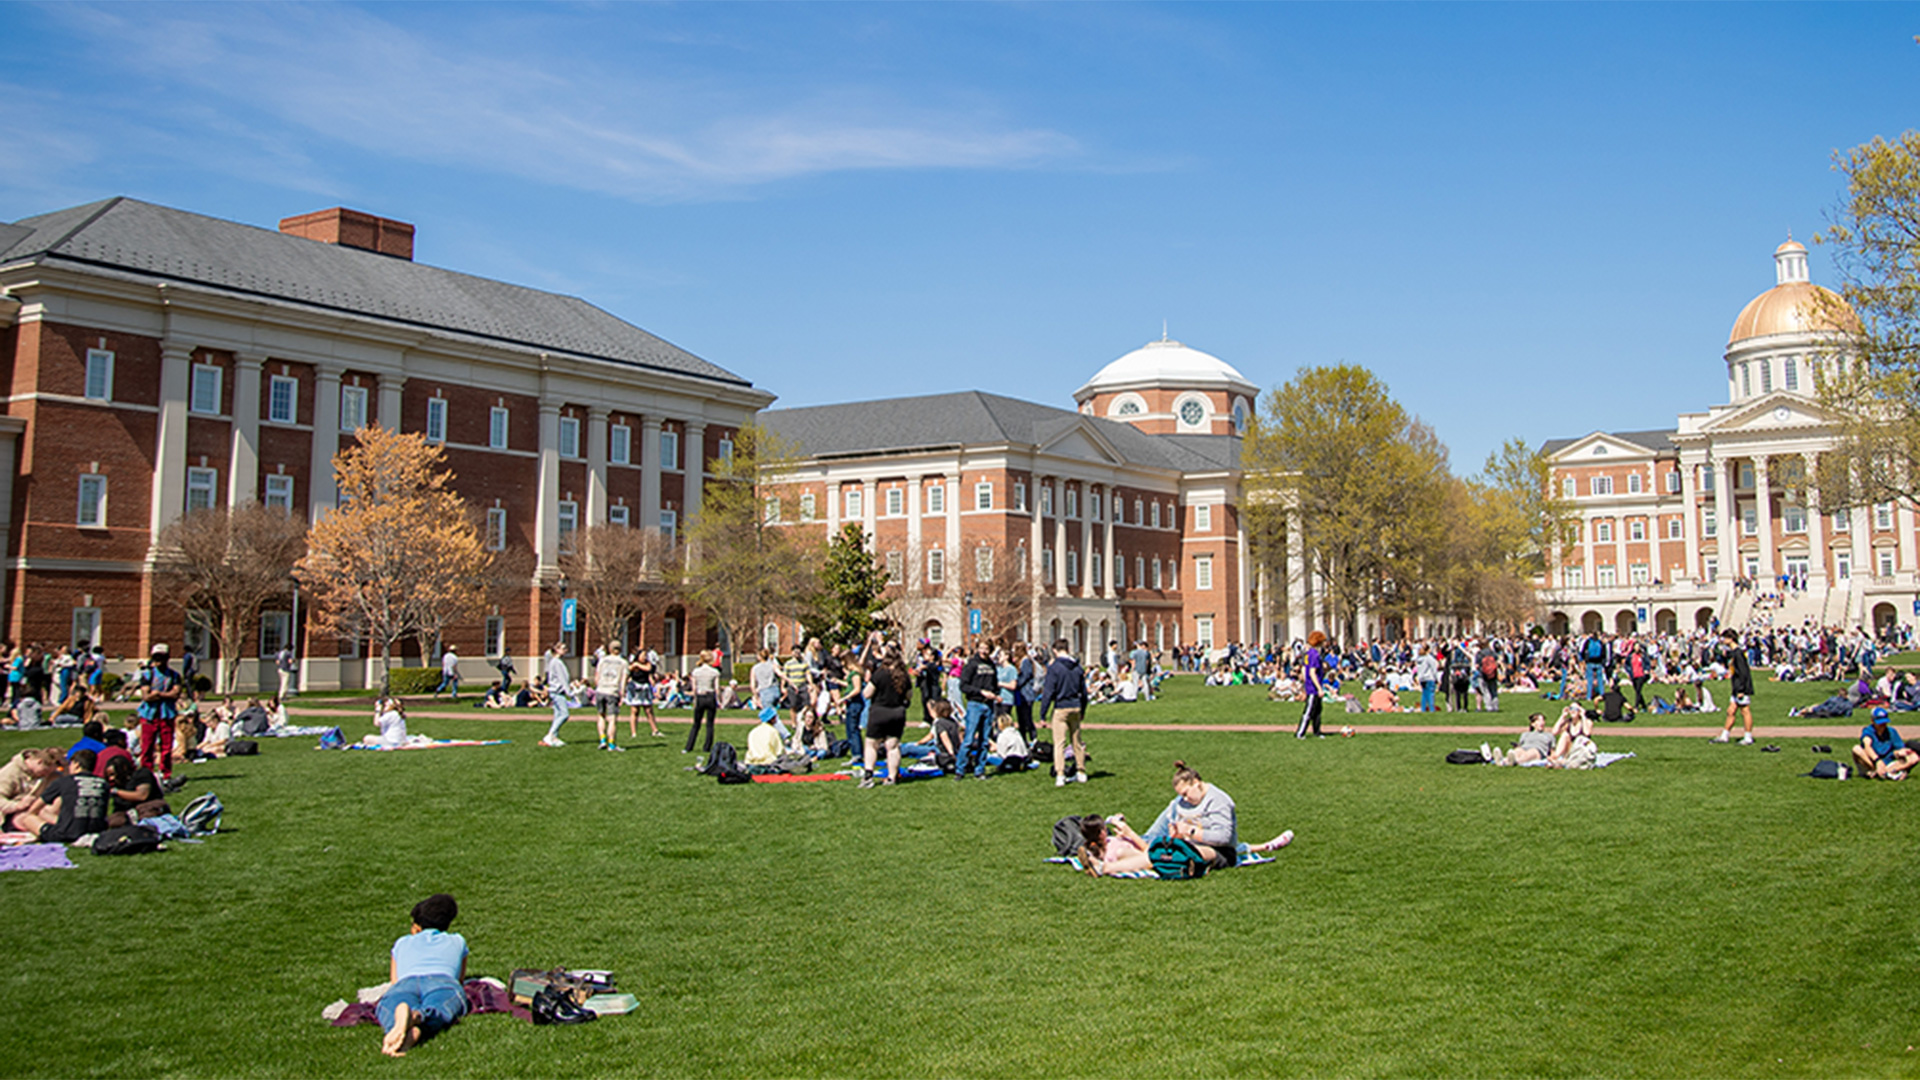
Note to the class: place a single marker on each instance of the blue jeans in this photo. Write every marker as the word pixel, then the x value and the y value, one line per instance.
pixel 1427 687
pixel 1596 680
pixel 437 998
pixel 973 744
pixel 561 710
pixel 856 723
pixel 448 682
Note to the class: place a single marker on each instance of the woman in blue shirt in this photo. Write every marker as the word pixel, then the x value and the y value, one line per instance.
pixel 426 970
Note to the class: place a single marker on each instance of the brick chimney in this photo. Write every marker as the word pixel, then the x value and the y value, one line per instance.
pixel 355 229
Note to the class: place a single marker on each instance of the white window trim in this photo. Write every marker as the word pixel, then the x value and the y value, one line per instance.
pixel 807 506
pixel 620 514
pixel 619 444
pixel 496 528
pixel 1203 517
pixel 436 420
pixel 499 427
pixel 936 498
pixel 670 458
pixel 203 479
pixel 568 437
pixel 936 567
pixel 983 495
pixel 98 502
pixel 104 358
pixel 209 376
pixel 274 382
pixel 357 395
pixel 1203 573
pixel 282 481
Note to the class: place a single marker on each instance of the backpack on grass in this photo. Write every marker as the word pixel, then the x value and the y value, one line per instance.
pixel 1176 860
pixel 127 840
pixel 202 815
pixel 1465 757
pixel 724 765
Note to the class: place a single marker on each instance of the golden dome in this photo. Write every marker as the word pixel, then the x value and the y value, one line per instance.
pixel 1790 245
pixel 1792 308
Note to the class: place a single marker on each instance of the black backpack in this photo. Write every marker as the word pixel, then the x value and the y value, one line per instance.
pixel 724 763
pixel 127 840
pixel 1465 757
pixel 1041 751
pixel 1067 837
pixel 242 748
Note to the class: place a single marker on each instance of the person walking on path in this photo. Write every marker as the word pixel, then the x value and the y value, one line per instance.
pixel 1313 677
pixel 449 674
pixel 1739 688
pixel 286 665
pixel 559 692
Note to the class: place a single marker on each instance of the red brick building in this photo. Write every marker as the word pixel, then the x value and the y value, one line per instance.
pixel 159 361
pixel 1116 522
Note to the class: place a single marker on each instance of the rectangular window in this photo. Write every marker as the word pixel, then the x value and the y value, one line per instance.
pixel 569 523
pixel 1712 568
pixel 1886 562
pixel 1636 530
pixel 1749 520
pixel 1139 570
pixel 1203 631
pixel 619 514
pixel 770 508
pixel 936 567
pixel 1707 477
pixel 86 627
pixel 896 501
pixel 1744 478
pixel 936 499
pixel 1709 525
pixel 99 386
pixel 274 627
pixel 983 496
pixel 983 564
pixel 205 395
pixel 1746 381
pixel 1793 373
pixel 1633 483
pixel 496 528
pixel 496 642
pixel 1603 577
pixel 353 408
pixel 1156 570
pixel 856 504
pixel 619 444
pixel 1766 376
pixel 1575 576
pixel 806 507
pixel 1173 574
pixel 670 451
pixel 497 428
pixel 1676 529
pixel 1093 505
pixel 569 437
pixel 1020 496
pixel 724 450
pixel 1883 516
pixel 1156 515
pixel 1119 571
pixel 1796 518
pixel 283 399
pixel 1840 521
pixel 1139 512
pixel 93 502
pixel 670 524
pixel 1843 565
pixel 280 491
pixel 896 568
pixel 1046 565
pixel 436 420
pixel 1073 566
pixel 1203 573
pixel 1203 518
pixel 1673 482
pixel 1094 568
pixel 1600 485
pixel 1073 502
pixel 1046 501
pixel 1603 532
pixel 200 485
pixel 1569 487
pixel 1637 574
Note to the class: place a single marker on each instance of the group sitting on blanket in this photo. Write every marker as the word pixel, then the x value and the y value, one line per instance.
pixel 1568 745
pixel 1200 814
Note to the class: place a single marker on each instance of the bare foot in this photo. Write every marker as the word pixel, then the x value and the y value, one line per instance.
pixel 1276 843
pixel 401 1037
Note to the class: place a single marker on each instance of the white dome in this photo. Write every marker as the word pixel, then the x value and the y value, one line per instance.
pixel 1164 363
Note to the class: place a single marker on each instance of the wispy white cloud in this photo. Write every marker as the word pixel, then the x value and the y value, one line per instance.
pixel 344 74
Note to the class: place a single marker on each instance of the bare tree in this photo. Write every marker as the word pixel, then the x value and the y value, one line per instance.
pixel 225 564
pixel 617 573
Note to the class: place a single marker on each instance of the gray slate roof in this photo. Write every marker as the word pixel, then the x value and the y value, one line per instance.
pixel 974 417
pixel 147 242
pixel 1660 441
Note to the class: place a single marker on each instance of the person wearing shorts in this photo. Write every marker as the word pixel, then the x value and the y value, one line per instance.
pixel 1739 690
pixel 1065 693
pixel 639 695
pixel 1882 753
pixel 609 683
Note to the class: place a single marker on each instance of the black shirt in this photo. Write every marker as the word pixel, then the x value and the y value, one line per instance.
pixel 83 808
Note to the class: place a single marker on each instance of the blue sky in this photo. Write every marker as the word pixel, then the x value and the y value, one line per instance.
pixel 1531 220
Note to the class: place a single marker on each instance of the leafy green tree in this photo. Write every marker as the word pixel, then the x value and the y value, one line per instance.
pixel 852 582
pixel 745 566
pixel 1870 378
pixel 1369 481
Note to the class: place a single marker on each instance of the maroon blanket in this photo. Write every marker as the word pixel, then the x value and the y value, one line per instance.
pixel 482 997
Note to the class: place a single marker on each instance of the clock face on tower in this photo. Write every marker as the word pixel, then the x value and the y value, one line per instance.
pixel 1782 414
pixel 1192 413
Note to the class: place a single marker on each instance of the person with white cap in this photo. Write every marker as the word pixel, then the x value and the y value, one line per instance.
pixel 1882 754
pixel 159 687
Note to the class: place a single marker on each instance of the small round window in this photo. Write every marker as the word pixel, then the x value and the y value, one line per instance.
pixel 1128 408
pixel 1192 413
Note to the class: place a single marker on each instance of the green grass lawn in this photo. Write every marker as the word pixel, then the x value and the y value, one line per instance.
pixel 1696 911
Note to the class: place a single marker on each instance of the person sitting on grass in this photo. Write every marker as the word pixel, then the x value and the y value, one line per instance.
pixel 72 806
pixel 1202 815
pixel 1613 704
pixel 132 787
pixel 1009 749
pixel 763 742
pixel 495 698
pixel 1382 700
pixel 1882 754
pixel 390 716
pixel 23 778
pixel 1535 744
pixel 425 969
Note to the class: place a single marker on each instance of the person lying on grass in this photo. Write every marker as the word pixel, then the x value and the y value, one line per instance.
pixel 425 968
pixel 1535 744
pixel 1882 754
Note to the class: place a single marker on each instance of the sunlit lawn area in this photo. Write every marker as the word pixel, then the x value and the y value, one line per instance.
pixel 1698 911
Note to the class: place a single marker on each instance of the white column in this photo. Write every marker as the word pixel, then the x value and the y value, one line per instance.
pixel 324 493
pixel 1240 590
pixel 169 492
pixel 1622 578
pixel 596 467
pixel 1297 625
pixel 1086 543
pixel 953 521
pixel 1727 541
pixel 1763 509
pixel 867 512
pixel 1110 575
pixel 1036 539
pixel 834 495
pixel 1059 490
pixel 390 386
pixel 1590 576
pixel 547 512
pixel 1860 523
pixel 694 449
pixel 243 465
pixel 1816 526
pixel 650 472
pixel 1903 524
pixel 1690 524
pixel 916 551
pixel 1655 570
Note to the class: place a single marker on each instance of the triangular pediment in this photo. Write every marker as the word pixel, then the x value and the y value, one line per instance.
pixel 1079 439
pixel 1599 447
pixel 1780 411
